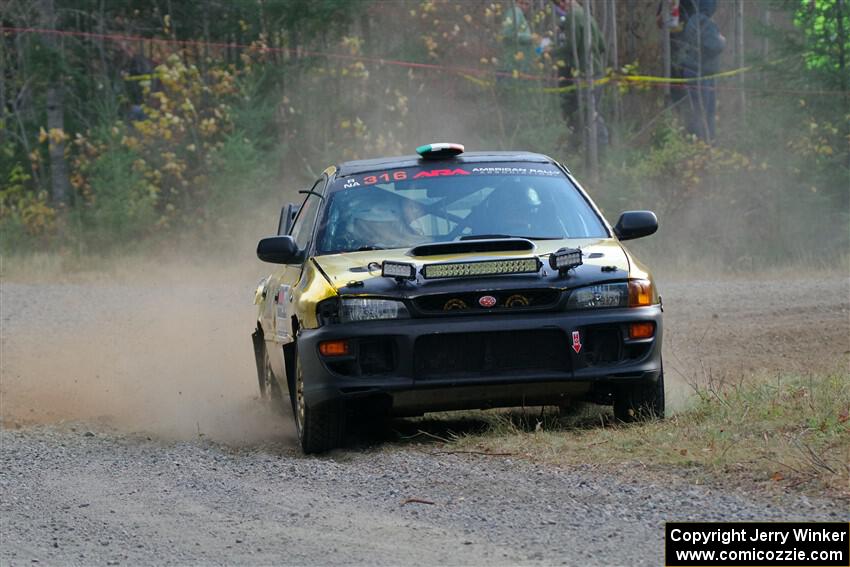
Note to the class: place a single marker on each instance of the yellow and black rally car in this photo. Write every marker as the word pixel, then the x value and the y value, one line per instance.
pixel 451 280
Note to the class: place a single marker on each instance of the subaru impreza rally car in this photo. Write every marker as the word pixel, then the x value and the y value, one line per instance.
pixel 453 280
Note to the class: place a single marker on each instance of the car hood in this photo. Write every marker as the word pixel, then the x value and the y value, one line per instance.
pixel 359 273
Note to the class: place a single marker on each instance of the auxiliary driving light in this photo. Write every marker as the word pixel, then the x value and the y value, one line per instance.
pixel 642 330
pixel 398 270
pixel 334 348
pixel 485 268
pixel 565 259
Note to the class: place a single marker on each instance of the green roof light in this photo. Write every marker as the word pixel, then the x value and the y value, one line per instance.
pixel 439 150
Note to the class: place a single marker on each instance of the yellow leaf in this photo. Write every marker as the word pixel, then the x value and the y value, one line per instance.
pixel 42 135
pixel 57 135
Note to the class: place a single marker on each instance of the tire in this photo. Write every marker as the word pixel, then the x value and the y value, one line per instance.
pixel 319 428
pixel 642 401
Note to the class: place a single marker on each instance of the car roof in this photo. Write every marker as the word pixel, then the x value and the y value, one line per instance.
pixel 365 165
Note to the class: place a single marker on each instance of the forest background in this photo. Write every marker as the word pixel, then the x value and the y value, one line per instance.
pixel 130 126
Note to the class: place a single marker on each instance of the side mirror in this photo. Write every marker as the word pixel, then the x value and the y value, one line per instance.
pixel 287 216
pixel 278 250
pixel 635 224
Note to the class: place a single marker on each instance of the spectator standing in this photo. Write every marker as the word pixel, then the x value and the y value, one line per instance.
pixel 571 20
pixel 702 45
pixel 674 14
pixel 517 48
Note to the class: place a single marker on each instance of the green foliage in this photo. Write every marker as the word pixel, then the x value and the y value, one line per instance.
pixel 826 25
pixel 123 206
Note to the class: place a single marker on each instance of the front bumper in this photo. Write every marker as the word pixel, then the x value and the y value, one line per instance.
pixel 409 384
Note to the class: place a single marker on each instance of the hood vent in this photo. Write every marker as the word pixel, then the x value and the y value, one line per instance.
pixel 472 246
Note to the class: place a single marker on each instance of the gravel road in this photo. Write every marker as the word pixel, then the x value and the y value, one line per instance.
pixel 131 435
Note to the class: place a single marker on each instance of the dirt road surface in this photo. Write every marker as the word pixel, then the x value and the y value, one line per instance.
pixel 131 434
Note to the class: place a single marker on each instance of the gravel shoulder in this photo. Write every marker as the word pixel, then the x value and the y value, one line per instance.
pixel 110 498
pixel 131 434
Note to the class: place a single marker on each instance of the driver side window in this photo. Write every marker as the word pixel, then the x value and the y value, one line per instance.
pixel 302 230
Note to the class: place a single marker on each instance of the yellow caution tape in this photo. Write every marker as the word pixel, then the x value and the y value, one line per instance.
pixel 616 77
pixel 148 77
pixel 651 79
pixel 476 80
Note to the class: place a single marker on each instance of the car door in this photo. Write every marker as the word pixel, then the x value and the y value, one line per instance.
pixel 285 280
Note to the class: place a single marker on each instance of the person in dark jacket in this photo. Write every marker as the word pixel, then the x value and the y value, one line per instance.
pixel 676 22
pixel 702 44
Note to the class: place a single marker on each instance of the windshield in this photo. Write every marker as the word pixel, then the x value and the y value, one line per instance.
pixel 402 208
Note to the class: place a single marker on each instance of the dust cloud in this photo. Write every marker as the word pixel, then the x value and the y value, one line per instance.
pixel 170 357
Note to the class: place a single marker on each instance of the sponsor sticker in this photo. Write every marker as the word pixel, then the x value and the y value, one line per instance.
pixel 420 173
pixel 577 341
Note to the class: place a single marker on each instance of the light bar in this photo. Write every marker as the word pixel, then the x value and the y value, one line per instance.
pixel 482 268
pixel 399 270
pixel 440 150
pixel 565 259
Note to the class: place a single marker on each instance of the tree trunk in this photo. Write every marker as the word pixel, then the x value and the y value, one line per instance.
pixel 3 63
pixel 592 137
pixel 577 83
pixel 60 186
pixel 739 52
pixel 59 182
pixel 765 42
pixel 615 63
pixel 665 45
pixel 840 13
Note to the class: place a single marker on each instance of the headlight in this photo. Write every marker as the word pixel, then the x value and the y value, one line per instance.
pixel 603 295
pixel 356 309
pixel 635 293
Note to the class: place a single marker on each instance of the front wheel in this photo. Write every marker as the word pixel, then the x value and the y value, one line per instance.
pixel 640 401
pixel 319 428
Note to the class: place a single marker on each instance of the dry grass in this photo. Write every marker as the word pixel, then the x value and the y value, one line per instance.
pixel 168 266
pixel 787 432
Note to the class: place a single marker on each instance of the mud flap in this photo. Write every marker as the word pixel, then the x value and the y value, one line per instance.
pixel 259 357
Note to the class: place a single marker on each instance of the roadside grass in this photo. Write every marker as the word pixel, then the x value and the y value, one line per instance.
pixel 786 431
pixel 165 266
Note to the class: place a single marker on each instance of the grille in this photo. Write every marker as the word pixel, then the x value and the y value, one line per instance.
pixel 488 354
pixel 509 300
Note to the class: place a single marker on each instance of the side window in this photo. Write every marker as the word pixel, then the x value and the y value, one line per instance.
pixel 302 230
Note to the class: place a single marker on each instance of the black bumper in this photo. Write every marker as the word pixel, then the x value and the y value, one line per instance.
pixel 491 375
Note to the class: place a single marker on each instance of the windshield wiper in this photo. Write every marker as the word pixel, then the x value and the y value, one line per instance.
pixel 484 236
pixel 541 237
pixel 495 236
pixel 367 248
